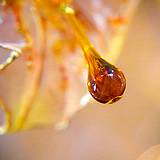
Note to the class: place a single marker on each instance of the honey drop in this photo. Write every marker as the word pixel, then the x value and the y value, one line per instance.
pixel 106 83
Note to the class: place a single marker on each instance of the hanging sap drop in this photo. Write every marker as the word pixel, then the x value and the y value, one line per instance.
pixel 106 83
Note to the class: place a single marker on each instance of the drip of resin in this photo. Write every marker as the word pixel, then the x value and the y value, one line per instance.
pixel 106 83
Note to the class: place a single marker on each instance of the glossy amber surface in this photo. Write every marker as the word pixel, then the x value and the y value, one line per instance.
pixel 106 83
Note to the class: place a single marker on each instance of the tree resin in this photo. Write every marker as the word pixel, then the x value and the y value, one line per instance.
pixel 106 83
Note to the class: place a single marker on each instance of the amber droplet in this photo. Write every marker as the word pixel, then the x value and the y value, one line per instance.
pixel 106 83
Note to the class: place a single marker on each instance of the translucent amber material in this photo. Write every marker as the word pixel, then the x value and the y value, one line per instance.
pixel 106 83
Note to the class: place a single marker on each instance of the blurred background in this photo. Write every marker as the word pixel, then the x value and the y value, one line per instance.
pixel 121 131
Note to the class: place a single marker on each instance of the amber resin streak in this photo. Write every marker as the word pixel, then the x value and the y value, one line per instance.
pixel 106 83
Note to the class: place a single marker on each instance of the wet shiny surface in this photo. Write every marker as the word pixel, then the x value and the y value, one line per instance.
pixel 106 83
